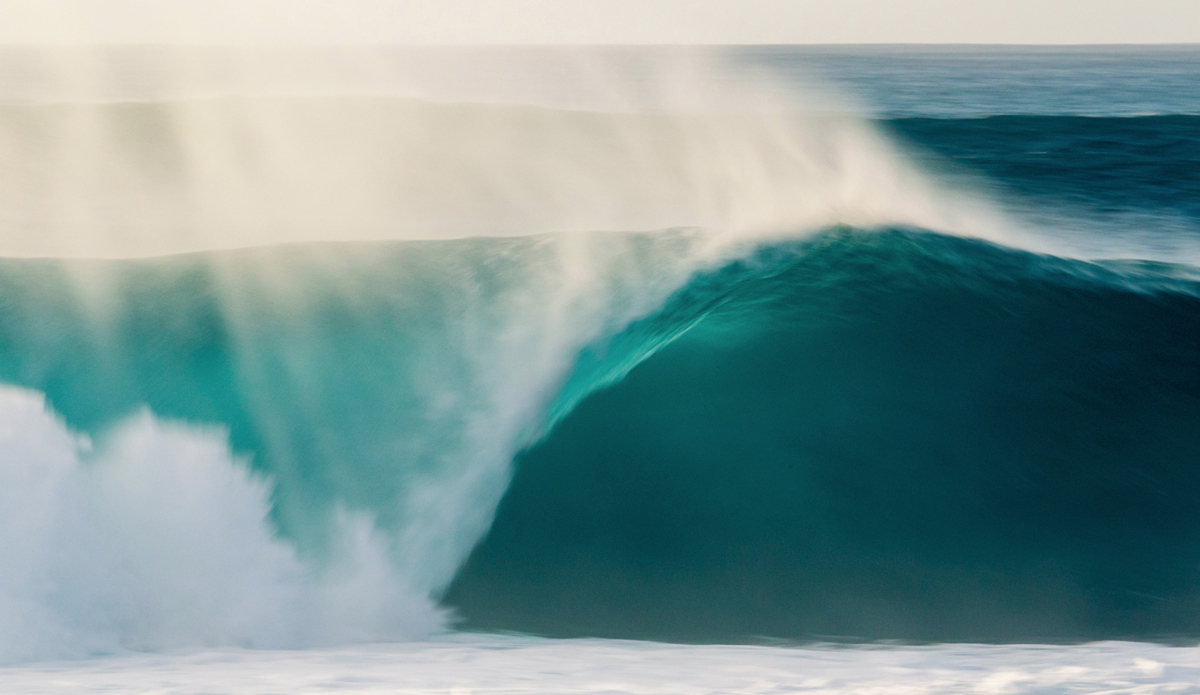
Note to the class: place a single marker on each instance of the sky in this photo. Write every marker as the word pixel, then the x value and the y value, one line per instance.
pixel 598 21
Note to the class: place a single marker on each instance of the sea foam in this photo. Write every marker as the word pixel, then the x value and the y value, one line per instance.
pixel 156 536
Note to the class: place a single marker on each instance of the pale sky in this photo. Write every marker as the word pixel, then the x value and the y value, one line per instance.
pixel 598 21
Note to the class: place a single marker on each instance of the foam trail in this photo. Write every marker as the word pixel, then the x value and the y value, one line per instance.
pixel 505 664
pixel 158 538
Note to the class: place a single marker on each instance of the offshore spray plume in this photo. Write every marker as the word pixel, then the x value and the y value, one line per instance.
pixel 127 153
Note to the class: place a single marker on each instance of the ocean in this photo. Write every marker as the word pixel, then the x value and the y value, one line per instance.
pixel 611 370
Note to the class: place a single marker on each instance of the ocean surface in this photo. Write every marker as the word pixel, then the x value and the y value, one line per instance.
pixel 768 369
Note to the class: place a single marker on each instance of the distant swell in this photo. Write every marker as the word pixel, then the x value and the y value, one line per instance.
pixel 1108 164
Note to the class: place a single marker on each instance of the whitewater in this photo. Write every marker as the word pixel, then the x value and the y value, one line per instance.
pixel 598 371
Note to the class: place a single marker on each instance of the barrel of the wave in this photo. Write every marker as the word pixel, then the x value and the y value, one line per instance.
pixel 874 435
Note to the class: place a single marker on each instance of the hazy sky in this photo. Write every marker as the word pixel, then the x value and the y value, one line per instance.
pixel 599 21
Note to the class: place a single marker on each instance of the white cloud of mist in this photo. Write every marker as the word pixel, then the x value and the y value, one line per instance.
pixel 613 21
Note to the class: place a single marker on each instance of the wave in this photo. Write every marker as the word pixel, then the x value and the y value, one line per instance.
pixel 879 433
pixel 871 435
pixel 270 361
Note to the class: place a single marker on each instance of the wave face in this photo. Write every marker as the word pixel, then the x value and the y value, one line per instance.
pixel 888 434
